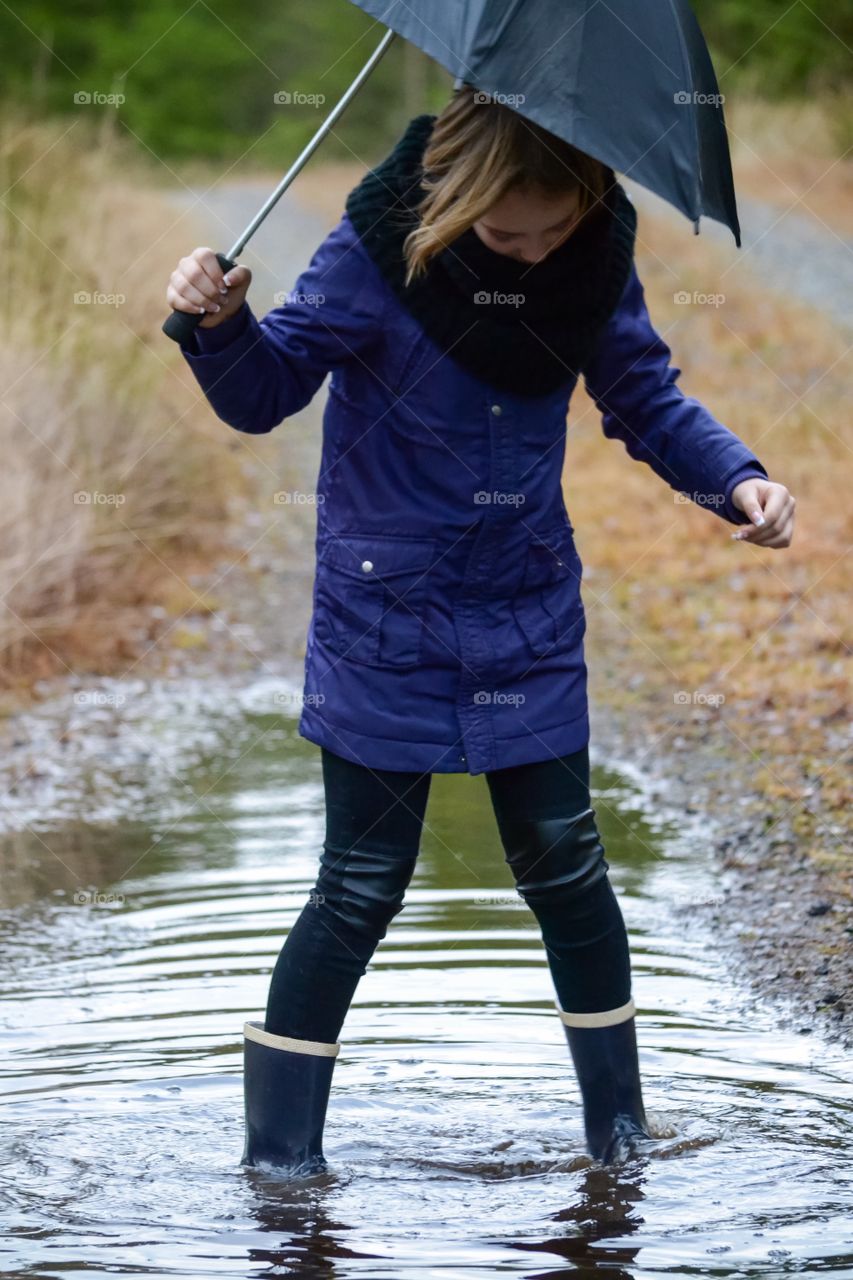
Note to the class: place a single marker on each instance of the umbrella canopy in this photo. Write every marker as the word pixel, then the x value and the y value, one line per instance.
pixel 629 82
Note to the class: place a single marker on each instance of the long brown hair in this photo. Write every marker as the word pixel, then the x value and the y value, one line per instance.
pixel 479 149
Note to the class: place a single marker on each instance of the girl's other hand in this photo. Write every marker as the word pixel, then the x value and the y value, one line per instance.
pixel 770 507
pixel 197 285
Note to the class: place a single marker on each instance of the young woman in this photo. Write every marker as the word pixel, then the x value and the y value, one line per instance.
pixel 474 276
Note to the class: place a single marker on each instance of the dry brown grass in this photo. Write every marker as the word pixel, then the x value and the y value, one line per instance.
pixel 796 156
pixel 94 401
pixel 675 604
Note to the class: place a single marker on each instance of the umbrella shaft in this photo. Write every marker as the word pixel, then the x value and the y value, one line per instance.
pixel 309 150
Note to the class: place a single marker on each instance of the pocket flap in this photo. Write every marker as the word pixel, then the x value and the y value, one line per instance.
pixel 551 556
pixel 373 556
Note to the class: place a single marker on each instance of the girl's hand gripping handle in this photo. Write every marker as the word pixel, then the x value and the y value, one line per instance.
pixel 199 294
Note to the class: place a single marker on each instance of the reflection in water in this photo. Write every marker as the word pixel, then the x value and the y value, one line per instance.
pixel 132 955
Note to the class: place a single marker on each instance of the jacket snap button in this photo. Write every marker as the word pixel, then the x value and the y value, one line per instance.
pixel 497 410
pixel 367 565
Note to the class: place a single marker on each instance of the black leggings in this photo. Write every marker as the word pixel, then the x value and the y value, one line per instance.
pixel 373 829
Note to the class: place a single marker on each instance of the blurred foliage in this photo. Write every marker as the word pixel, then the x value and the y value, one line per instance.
pixel 201 79
pixel 780 50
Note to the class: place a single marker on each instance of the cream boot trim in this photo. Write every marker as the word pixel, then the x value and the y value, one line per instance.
pixel 255 1031
pixel 607 1017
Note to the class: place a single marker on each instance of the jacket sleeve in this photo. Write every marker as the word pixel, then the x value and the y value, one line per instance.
pixel 257 372
pixel 634 386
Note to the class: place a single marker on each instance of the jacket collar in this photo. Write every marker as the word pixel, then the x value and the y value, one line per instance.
pixel 542 338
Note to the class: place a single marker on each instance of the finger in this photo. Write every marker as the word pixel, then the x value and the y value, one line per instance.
pixel 238 276
pixel 209 263
pixel 747 533
pixel 767 537
pixel 782 539
pixel 760 533
pixel 192 294
pixel 750 503
pixel 776 505
pixel 761 537
pixel 193 271
pixel 773 528
pixel 786 533
pixel 179 303
pixel 778 536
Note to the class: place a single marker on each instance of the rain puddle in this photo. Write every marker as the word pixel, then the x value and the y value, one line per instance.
pixel 133 952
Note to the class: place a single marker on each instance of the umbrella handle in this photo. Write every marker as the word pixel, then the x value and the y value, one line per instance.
pixel 181 325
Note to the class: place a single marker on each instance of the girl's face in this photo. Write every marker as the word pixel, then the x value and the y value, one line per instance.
pixel 528 224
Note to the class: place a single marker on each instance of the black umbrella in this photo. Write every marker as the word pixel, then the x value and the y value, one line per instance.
pixel 629 82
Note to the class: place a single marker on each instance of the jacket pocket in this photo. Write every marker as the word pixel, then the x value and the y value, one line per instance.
pixel 549 608
pixel 370 596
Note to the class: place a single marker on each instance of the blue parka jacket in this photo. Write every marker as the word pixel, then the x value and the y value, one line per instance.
pixel 447 632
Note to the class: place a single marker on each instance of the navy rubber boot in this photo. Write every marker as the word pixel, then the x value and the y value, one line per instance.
pixel 607 1067
pixel 286 1084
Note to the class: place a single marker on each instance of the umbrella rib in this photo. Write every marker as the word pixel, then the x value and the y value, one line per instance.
pixel 697 150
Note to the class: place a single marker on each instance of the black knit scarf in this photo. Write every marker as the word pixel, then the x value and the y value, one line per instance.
pixel 527 329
